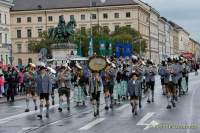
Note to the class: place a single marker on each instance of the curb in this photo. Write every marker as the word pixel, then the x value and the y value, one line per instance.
pixel 17 98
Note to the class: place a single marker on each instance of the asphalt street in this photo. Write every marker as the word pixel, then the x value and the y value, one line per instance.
pixel 152 118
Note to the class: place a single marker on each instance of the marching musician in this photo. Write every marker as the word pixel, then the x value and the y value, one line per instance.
pixel 170 84
pixel 44 89
pixel 162 73
pixel 95 86
pixel 30 86
pixel 108 83
pixel 64 86
pixel 150 73
pixel 79 82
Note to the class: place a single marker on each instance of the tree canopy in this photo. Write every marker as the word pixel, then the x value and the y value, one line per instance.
pixel 82 37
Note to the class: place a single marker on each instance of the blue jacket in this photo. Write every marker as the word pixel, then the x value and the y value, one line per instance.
pixel 44 85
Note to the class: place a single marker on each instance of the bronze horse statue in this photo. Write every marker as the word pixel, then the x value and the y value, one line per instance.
pixel 63 31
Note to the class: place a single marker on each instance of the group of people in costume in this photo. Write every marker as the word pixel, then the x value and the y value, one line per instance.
pixel 122 79
pixel 174 75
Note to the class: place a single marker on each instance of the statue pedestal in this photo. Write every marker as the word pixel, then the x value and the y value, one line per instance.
pixel 63 51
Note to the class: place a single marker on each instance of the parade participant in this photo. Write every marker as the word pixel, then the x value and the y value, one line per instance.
pixel 79 95
pixel 170 85
pixel 2 81
pixel 52 74
pixel 150 73
pixel 44 89
pixel 12 84
pixel 95 86
pixel 161 72
pixel 64 86
pixel 175 77
pixel 139 67
pixel 134 91
pixel 180 76
pixel 185 78
pixel 108 83
pixel 118 88
pixel 30 86
pixel 21 81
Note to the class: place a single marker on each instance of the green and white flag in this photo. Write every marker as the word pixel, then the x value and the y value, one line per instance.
pixel 90 49
pixel 110 52
pixel 102 49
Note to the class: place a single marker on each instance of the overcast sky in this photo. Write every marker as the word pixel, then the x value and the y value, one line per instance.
pixel 186 13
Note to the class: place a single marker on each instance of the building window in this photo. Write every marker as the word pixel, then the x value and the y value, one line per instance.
pixel 6 38
pixel 19 48
pixel 39 19
pixel 83 29
pixel 50 18
pixel 29 33
pixel 0 38
pixel 18 20
pixel 105 16
pixel 29 19
pixel 116 15
pixel 128 14
pixel 106 29
pixel 19 61
pixel 116 27
pixel 30 60
pixel 5 19
pixel 71 16
pixel 94 16
pixel 39 32
pixel 82 17
pixel 19 34
pixel 129 26
pixel 0 19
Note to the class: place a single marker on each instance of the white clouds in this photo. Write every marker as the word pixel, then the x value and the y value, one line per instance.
pixel 184 12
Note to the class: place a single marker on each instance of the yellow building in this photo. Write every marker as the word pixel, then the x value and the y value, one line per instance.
pixel 28 20
pixel 192 46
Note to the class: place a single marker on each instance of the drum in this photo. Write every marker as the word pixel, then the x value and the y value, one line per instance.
pixel 97 63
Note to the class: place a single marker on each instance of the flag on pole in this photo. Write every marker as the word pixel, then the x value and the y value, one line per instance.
pixel 110 52
pixel 79 50
pixel 102 49
pixel 90 49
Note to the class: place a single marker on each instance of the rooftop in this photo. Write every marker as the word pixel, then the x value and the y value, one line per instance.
pixel 27 5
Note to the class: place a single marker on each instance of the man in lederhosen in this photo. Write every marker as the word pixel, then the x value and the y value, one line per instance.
pixel 44 89
pixel 95 86
pixel 150 73
pixel 134 91
pixel 30 86
pixel 108 83
pixel 170 85
pixel 64 86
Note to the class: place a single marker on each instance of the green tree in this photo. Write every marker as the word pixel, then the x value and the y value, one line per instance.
pixel 127 34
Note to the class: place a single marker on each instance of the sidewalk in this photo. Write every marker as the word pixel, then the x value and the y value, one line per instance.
pixel 4 100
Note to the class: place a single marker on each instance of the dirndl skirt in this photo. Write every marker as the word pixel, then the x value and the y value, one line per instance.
pixel 124 86
pixel 79 95
pixel 184 84
pixel 117 90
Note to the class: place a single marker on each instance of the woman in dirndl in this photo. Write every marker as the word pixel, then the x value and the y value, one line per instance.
pixel 79 95
pixel 117 90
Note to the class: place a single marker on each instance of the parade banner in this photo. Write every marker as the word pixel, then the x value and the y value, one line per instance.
pixel 127 48
pixel 117 50
pixel 97 63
